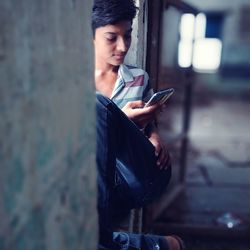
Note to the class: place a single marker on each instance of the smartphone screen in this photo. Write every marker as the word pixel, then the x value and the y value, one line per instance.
pixel 160 97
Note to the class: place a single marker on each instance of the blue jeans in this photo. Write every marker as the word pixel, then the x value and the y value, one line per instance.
pixel 127 176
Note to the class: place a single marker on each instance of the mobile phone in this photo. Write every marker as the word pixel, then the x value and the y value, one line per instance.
pixel 160 97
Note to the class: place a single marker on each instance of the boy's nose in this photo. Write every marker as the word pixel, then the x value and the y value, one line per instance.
pixel 122 45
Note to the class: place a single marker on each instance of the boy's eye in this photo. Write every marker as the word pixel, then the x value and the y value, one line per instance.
pixel 111 39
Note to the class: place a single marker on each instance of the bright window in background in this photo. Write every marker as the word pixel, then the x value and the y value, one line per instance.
pixel 185 49
pixel 200 45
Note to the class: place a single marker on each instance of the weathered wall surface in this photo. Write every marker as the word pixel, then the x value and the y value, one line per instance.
pixel 47 126
pixel 137 55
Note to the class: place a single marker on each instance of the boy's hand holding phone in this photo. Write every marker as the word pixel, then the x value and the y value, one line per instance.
pixel 139 114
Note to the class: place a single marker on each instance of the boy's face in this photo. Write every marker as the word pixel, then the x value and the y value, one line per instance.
pixel 112 42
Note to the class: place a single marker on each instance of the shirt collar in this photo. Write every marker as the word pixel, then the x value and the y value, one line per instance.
pixel 125 73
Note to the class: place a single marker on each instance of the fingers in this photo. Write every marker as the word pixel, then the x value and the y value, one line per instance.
pixel 157 149
pixel 139 114
pixel 141 117
pixel 139 109
pixel 135 104
pixel 151 109
pixel 146 110
pixel 163 160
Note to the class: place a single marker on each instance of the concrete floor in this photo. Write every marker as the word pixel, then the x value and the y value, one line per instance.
pixel 214 210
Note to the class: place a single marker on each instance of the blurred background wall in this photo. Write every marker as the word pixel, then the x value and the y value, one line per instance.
pixel 204 53
pixel 47 126
pixel 235 28
pixel 226 21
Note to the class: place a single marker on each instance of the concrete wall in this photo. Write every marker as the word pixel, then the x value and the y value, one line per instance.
pixel 47 126
pixel 137 54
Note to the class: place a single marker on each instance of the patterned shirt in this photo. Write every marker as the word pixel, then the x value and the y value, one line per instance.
pixel 131 85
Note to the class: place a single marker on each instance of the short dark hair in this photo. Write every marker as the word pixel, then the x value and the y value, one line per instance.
pixel 106 12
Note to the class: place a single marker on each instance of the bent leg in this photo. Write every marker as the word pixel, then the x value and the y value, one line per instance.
pixel 138 181
pixel 106 163
pixel 116 134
